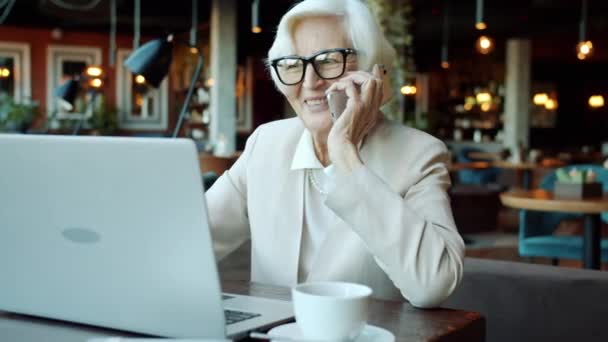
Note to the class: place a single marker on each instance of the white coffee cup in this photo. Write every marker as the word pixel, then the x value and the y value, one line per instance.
pixel 331 311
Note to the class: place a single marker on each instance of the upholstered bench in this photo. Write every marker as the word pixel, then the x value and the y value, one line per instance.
pixel 527 302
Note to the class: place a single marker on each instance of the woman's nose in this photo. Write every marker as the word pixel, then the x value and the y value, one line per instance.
pixel 311 79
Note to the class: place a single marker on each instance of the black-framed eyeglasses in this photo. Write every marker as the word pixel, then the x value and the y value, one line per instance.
pixel 328 64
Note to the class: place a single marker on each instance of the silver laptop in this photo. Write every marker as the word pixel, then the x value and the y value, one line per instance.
pixel 114 232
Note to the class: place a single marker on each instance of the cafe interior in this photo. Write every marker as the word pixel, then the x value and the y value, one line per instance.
pixel 515 89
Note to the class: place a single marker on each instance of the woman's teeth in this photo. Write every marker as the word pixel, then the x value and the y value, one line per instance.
pixel 316 102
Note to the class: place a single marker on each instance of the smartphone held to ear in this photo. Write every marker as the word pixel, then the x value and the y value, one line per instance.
pixel 337 103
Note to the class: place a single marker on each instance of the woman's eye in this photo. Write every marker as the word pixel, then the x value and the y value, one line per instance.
pixel 327 61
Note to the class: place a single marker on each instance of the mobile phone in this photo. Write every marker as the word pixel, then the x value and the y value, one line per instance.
pixel 337 103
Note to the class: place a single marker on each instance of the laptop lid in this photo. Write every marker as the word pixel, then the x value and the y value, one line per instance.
pixel 108 231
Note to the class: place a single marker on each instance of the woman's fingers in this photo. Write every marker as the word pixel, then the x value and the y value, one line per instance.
pixel 352 92
pixel 359 77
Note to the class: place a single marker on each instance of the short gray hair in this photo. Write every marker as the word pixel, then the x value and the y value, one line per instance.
pixel 360 25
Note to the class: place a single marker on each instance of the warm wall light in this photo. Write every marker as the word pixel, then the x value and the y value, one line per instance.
pixel 485 106
pixel 551 104
pixel 445 65
pixel 139 79
pixel 96 83
pixel 483 97
pixel 5 72
pixel 139 100
pixel 193 50
pixel 596 101
pixel 209 82
pixel 540 99
pixel 484 45
pixel 94 71
pixel 408 90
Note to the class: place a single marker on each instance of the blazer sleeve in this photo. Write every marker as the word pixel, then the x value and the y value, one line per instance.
pixel 227 203
pixel 413 237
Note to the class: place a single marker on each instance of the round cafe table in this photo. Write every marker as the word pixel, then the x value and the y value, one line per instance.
pixel 591 208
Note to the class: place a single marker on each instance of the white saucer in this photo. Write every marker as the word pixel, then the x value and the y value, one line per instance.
pixel 370 333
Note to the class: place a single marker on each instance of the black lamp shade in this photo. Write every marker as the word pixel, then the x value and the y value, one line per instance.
pixel 67 92
pixel 151 60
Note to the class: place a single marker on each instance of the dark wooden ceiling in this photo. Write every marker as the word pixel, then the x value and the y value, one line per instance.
pixel 547 21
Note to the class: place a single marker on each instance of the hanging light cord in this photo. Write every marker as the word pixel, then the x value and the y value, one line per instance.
pixel 136 24
pixel 72 7
pixel 479 12
pixel 194 28
pixel 9 6
pixel 445 32
pixel 583 23
pixel 255 14
pixel 112 32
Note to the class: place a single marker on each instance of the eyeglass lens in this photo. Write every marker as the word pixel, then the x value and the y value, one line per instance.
pixel 327 65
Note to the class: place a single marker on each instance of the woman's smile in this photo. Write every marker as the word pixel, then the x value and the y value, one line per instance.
pixel 316 104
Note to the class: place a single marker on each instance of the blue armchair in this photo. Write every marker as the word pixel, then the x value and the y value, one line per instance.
pixel 536 227
pixel 477 177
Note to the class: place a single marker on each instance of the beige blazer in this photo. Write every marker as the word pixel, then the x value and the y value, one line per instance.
pixel 396 234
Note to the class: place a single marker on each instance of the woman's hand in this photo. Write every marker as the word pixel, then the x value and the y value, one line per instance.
pixel 364 91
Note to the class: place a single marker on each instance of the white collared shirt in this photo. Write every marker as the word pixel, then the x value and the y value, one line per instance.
pixel 318 218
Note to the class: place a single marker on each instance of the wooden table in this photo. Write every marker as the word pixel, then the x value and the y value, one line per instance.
pixel 402 319
pixel 591 209
pixel 480 165
pixel 406 322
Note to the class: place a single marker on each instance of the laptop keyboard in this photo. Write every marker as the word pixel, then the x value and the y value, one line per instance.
pixel 233 316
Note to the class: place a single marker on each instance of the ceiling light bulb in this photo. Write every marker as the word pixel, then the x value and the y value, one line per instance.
pixel 484 45
pixel 139 79
pixel 408 90
pixel 540 99
pixel 5 72
pixel 596 101
pixel 551 104
pixel 94 71
pixel 484 97
pixel 481 26
pixel 584 49
pixel 96 83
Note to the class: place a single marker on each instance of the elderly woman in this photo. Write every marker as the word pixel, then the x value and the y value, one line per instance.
pixel 360 199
